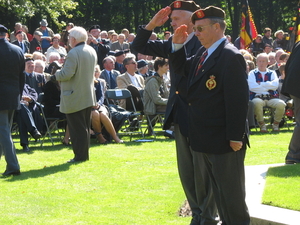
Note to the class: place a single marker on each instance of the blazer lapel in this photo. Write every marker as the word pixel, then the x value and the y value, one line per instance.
pixel 209 63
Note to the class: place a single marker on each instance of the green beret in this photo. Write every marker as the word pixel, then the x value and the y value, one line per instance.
pixel 210 12
pixel 184 5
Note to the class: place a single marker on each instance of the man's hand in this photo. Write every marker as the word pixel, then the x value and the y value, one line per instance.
pixel 159 19
pixel 26 98
pixel 236 146
pixel 180 35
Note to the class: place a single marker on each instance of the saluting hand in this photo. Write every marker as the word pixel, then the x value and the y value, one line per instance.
pixel 159 19
pixel 180 35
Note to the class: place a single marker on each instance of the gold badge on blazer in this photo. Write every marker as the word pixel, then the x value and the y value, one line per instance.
pixel 211 82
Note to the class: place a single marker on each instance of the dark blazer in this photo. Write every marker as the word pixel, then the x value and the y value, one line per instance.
pixel 37 82
pixel 51 99
pixel 106 77
pixel 35 46
pixel 102 50
pixel 292 78
pixel 25 43
pixel 177 104
pixel 12 64
pixel 218 115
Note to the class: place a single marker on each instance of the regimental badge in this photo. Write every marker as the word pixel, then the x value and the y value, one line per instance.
pixel 211 82
pixel 177 4
pixel 200 14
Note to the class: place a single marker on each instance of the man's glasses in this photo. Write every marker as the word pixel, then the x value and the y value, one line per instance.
pixel 200 29
pixel 132 62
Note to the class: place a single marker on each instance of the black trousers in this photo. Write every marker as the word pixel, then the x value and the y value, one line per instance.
pixel 79 126
pixel 227 176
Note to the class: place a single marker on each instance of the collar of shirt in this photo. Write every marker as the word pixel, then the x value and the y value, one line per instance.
pixel 108 71
pixel 213 47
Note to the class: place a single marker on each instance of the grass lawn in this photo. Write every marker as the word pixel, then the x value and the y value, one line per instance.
pixel 121 184
pixel 283 179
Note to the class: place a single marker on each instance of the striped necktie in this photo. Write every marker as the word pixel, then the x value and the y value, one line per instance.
pixel 201 61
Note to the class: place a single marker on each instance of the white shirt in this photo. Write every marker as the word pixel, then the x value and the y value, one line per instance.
pixel 134 80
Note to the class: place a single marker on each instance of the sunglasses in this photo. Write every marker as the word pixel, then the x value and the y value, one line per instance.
pixel 133 63
pixel 200 29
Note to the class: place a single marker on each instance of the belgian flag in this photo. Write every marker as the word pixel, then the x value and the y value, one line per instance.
pixel 248 29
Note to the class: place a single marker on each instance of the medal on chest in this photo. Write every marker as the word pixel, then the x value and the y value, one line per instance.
pixel 211 82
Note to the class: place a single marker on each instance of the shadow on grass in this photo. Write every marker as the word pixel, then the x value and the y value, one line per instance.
pixel 285 171
pixel 37 173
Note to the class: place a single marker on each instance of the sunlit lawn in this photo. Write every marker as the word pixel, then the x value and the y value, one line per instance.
pixel 131 183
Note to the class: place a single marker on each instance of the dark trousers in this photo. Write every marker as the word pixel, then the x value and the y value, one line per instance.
pixel 79 126
pixel 6 144
pixel 227 176
pixel 195 181
pixel 294 147
pixel 25 123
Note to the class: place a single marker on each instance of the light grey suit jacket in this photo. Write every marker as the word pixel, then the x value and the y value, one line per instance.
pixel 77 79
pixel 124 81
pixel 104 75
pixel 116 46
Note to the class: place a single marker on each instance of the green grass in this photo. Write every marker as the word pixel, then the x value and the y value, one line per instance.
pixel 121 184
pixel 283 187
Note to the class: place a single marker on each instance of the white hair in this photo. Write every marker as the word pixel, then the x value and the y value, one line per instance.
pixel 79 33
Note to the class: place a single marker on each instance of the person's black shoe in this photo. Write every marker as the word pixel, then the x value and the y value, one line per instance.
pixel 26 148
pixel 169 135
pixel 15 173
pixel 36 134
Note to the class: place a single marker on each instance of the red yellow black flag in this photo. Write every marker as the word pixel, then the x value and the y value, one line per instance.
pixel 248 29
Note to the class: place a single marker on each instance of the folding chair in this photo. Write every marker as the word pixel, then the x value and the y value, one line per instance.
pixel 118 94
pixel 157 119
pixel 51 123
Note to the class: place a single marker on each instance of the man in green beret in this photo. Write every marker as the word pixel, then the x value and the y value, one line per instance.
pixel 217 99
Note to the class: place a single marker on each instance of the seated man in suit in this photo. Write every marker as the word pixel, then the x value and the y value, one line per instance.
pixel 24 117
pixel 108 73
pixel 120 44
pixel 37 82
pixel 35 44
pixel 130 78
pixel 24 45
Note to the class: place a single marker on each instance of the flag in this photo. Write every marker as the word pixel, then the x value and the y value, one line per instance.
pixel 295 30
pixel 248 29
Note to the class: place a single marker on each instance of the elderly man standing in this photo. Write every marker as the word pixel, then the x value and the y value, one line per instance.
pixel 77 91
pixel 189 168
pixel 12 81
pixel 217 98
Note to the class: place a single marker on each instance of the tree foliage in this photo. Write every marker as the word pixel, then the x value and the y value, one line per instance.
pixel 119 14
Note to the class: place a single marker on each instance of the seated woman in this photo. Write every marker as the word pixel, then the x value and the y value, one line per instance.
pixel 51 101
pixel 100 113
pixel 155 99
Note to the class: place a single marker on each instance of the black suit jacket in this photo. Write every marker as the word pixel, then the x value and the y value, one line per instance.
pixel 177 104
pixel 292 77
pixel 37 82
pixel 35 46
pixel 218 115
pixel 26 45
pixel 12 64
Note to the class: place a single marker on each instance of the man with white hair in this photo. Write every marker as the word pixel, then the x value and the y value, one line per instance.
pixel 77 91
pixel 120 44
pixel 263 84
